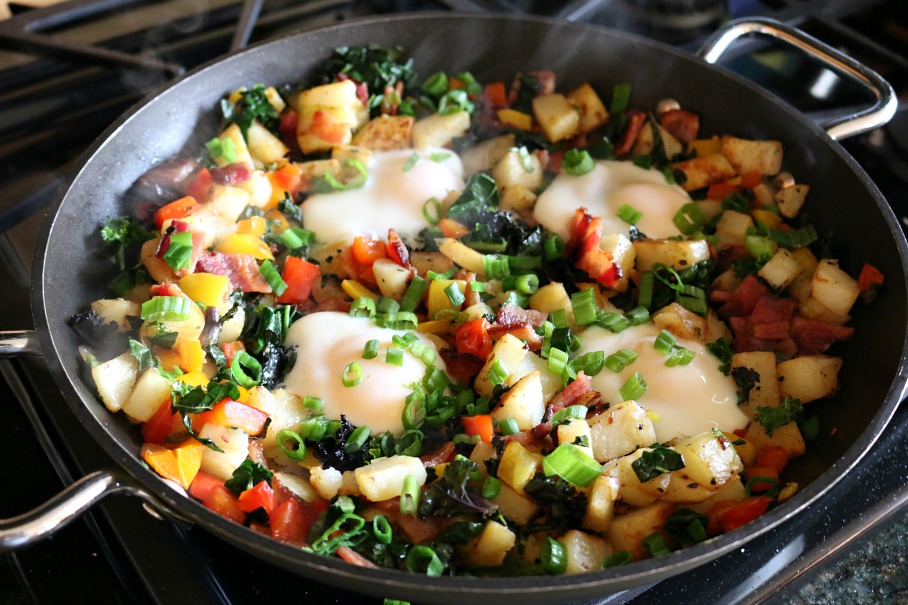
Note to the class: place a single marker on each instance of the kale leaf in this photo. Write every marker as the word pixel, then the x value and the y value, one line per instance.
pixel 746 379
pixel 252 105
pixel 457 492
pixel 246 476
pixel 655 461
pixel 566 505
pixel 772 418
pixel 721 349
pixel 687 527
pixel 120 234
pixel 331 452
pixel 375 66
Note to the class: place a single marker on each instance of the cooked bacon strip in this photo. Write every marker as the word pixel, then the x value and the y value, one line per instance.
pixel 512 315
pixel 571 393
pixel 637 119
pixel 743 300
pixel 813 336
pixel 242 269
pixel 681 124
pixel 583 247
pixel 442 454
pixel 231 174
pixel 462 367
pixel 397 250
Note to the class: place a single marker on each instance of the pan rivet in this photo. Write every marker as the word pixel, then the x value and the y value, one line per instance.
pixel 666 105
pixel 783 180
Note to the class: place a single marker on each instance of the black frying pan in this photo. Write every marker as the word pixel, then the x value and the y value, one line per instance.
pixel 847 204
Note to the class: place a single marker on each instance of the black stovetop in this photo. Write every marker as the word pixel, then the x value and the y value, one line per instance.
pixel 120 553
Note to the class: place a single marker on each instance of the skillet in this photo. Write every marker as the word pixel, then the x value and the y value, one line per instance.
pixel 68 274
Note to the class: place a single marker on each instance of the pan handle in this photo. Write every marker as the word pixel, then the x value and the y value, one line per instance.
pixel 19 343
pixel 850 125
pixel 68 505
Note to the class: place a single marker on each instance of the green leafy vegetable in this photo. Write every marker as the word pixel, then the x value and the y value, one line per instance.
pixel 772 418
pixel 121 233
pixel 655 461
pixel 246 476
pixel 721 348
pixel 252 105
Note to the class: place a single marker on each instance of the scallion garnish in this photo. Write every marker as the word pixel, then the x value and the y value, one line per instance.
pixel 432 211
pixel 370 351
pixel 689 219
pixel 387 305
pixel 498 373
pixel 679 356
pixel 586 311
pixel 553 248
pixel 614 322
pixel 357 439
pixel 362 306
pixel 553 557
pixel 394 356
pixel 274 279
pixel 572 411
pixel 664 342
pixel 221 148
pixel 577 162
pixel 439 156
pixel 401 320
pixel 526 162
pixel 572 464
pixel 411 162
pixel 436 84
pixel 557 361
pixel 313 403
pixel 589 363
pixel 166 308
pixel 179 254
pixel 796 238
pixel 297 450
pixel 645 292
pixel 634 388
pixel 496 267
pixel 414 293
pixel 422 559
pixel 242 362
pixel 621 97
pixel 637 316
pixel 409 496
pixel 381 529
pixel 620 359
pixel 526 284
pixel 629 214
pixel 296 237
pixel 655 544
pixel 353 374
pixel 455 296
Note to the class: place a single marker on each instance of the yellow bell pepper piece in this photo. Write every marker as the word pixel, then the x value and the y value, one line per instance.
pixel 194 379
pixel 355 290
pixel 180 464
pixel 706 146
pixel 434 326
pixel 192 357
pixel 770 219
pixel 517 119
pixel 207 288
pixel 438 299
pixel 244 243
pixel 279 221
pixel 253 226
pixel 169 359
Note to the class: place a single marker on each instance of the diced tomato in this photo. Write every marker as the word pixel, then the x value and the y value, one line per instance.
pixel 480 424
pixel 870 277
pixel 473 338
pixel 201 184
pixel 223 502
pixel 174 210
pixel 300 276
pixel 230 350
pixel 366 250
pixel 495 94
pixel 772 455
pixel 162 423
pixel 751 179
pixel 715 513
pixel 258 496
pixel 203 484
pixel 756 473
pixel 744 512
pixel 292 520
pixel 720 191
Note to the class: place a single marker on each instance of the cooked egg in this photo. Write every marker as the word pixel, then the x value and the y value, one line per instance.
pixel 393 196
pixel 605 189
pixel 687 400
pixel 327 343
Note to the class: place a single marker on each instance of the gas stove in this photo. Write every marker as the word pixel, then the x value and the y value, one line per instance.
pixel 67 71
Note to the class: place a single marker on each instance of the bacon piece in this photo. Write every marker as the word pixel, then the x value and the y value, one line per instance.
pixel 773 309
pixel 545 82
pixel 351 556
pixel 510 315
pixel 813 336
pixel 744 298
pixel 242 269
pixel 681 124
pixel 637 118
pixel 231 174
pixel 333 304
pixel 289 121
pixel 571 393
pixel 397 250
pixel 462 367
pixel 583 247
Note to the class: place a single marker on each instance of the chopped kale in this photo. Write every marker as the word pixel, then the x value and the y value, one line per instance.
pixel 122 233
pixel 375 66
pixel 527 90
pixel 457 492
pixel 246 476
pixel 746 379
pixel 687 527
pixel 655 461
pixel 252 105
pixel 331 452
pixel 93 328
pixel 142 354
pixel 721 349
pixel 566 505
pixel 772 418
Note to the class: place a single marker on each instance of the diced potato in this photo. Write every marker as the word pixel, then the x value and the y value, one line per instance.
pixel 764 157
pixel 733 490
pixel 624 254
pixel 600 507
pixel 117 310
pixel 483 451
pixel 557 116
pixel 438 130
pixel 466 257
pixel 150 392
pixel 646 141
pixel 486 154
pixel 344 153
pixel 681 489
pixel 233 327
pixel 286 411
pixel 264 147
pixel 732 227
pixel 552 297
pixel 809 377
pixel 584 552
pixel 189 329
pixel 790 199
pixel 392 279
pixel 240 151
pixel 258 186
pixel 518 465
pixel 705 170
pixel 632 490
pixel 296 485
pixel 576 431
pixel 515 169
pixel 234 444
pixel 490 547
pixel 383 478
pixel 626 532
pixel 228 202
pixel 511 351
pixel 787 437
pixel 326 481
pixel 716 328
pixel 765 392
pixel 523 402
pixel 781 269
pixel 709 460
pixel 310 171
pixel 328 114
pixel 516 198
pixel 681 322
pixel 516 507
pixel 430 261
pixel 620 430
pixel 385 133
pixel 275 99
pixel 673 253
pixel 551 382
pixel 593 113
pixel 833 288
pixel 115 380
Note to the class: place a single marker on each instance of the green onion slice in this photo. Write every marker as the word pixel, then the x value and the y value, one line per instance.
pixel 634 388
pixel 242 362
pixel 621 96
pixel 498 373
pixel 274 279
pixel 166 308
pixel 353 374
pixel 432 211
pixel 620 359
pixel 363 306
pixel 370 350
pixel 577 162
pixel 664 342
pixel 455 296
pixel 689 219
pixel 572 464
pixel 411 162
pixel 179 254
pixel 629 214
pixel 553 557
pixel 313 403
pixel 394 357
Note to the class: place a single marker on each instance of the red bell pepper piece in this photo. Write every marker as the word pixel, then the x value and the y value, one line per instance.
pixel 162 423
pixel 473 338
pixel 300 276
pixel 744 512
pixel 480 424
pixel 258 496
pixel 222 501
pixel 174 210
pixel 772 455
pixel 292 520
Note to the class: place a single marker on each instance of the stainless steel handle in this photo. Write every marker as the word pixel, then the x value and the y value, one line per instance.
pixel 18 343
pixel 69 504
pixel 838 128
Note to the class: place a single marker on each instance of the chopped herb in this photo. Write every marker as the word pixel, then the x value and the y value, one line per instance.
pixel 621 557
pixel 655 461
pixel 246 476
pixel 721 349
pixel 772 418
pixel 746 379
pixel 655 544
pixel 121 233
pixel 254 105
pixel 687 527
